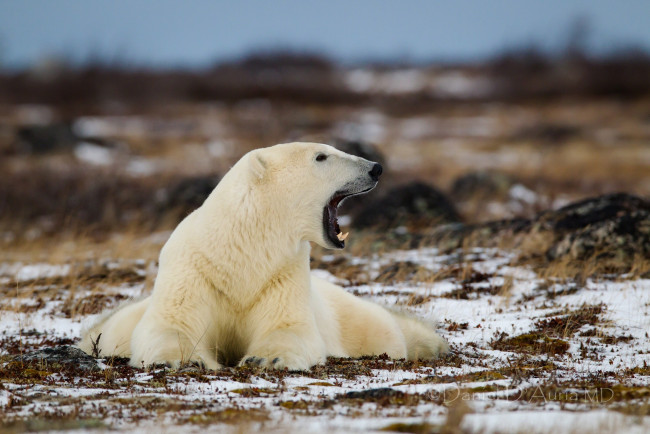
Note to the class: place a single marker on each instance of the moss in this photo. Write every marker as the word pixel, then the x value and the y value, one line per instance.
pixel 634 409
pixel 464 378
pixel 483 389
pixel 536 343
pixel 568 323
pixel 294 405
pixel 35 373
pixel 384 396
pixel 228 415
pixel 622 392
pixel 415 428
pixel 639 370
pixel 250 392
pixel 613 340
pixel 482 376
pixel 592 391
pixel 39 425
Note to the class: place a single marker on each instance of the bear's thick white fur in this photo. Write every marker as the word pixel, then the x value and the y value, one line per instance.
pixel 234 284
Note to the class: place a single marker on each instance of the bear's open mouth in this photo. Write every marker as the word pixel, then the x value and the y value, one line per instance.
pixel 330 218
pixel 331 222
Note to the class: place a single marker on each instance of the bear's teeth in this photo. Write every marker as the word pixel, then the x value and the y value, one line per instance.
pixel 342 236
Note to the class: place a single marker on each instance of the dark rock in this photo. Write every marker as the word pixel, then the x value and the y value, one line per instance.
pixel 482 185
pixel 549 133
pixel 612 227
pixel 45 138
pixel 581 214
pixel 415 205
pixel 361 149
pixel 374 394
pixel 189 193
pixel 383 397
pixel 65 356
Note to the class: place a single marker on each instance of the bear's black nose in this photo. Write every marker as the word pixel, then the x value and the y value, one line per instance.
pixel 376 171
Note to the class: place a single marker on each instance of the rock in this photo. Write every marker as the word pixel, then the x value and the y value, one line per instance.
pixel 361 149
pixel 45 138
pixel 415 205
pixel 189 193
pixel 373 394
pixel 482 185
pixel 549 133
pixel 65 356
pixel 613 227
pixel 581 214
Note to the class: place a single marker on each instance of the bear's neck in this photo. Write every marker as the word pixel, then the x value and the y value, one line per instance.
pixel 244 246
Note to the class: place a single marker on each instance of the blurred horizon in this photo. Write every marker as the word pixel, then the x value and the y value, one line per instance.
pixel 168 34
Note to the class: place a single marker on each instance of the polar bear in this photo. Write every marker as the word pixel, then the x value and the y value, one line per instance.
pixel 234 283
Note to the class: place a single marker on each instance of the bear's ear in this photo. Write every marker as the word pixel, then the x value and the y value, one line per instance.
pixel 257 166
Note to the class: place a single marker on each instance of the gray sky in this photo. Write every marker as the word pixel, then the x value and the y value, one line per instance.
pixel 198 32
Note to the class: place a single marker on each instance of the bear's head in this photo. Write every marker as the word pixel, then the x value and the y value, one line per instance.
pixel 304 183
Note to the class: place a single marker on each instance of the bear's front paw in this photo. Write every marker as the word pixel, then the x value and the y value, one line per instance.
pixel 184 365
pixel 275 363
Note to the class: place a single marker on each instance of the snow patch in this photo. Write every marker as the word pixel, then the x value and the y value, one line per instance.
pixel 94 155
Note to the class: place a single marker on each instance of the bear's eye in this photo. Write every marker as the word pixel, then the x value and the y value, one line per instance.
pixel 321 157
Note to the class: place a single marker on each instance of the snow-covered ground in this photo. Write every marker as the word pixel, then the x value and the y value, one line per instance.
pixel 529 355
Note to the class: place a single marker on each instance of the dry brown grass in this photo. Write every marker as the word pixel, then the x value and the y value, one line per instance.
pixel 593 267
pixel 66 247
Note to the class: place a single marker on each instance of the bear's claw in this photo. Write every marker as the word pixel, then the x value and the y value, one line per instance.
pixel 254 361
pixel 263 362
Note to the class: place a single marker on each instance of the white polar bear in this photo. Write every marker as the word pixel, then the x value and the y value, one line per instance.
pixel 234 284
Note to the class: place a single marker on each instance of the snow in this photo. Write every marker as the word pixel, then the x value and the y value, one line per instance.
pixel 521 193
pixel 558 421
pixel 220 148
pixel 22 272
pixel 445 84
pixel 360 80
pixel 459 85
pixel 417 128
pixel 138 166
pixel 396 81
pixel 94 154
pixel 88 126
pixel 366 125
pixel 108 126
pixel 626 313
